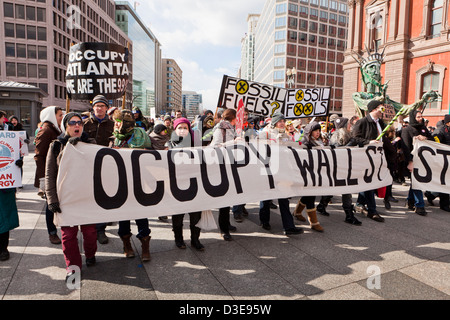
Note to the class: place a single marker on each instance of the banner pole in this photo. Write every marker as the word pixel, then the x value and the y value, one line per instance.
pixel 125 92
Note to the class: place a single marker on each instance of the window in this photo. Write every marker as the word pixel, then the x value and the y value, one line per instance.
pixel 42 53
pixel 31 52
pixel 278 75
pixel 42 71
pixel 280 48
pixel 279 62
pixel 20 11
pixel 21 70
pixel 42 33
pixel 280 8
pixel 436 18
pixel 280 35
pixel 8 10
pixel 293 36
pixel 293 8
pixel 430 82
pixel 31 13
pixel 303 11
pixel 293 22
pixel 31 32
pixel 280 22
pixel 20 31
pixel 40 14
pixel 314 13
pixel 10 49
pixel 10 69
pixel 21 50
pixel 32 71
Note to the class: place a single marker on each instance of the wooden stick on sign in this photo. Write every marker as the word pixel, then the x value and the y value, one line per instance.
pixel 125 91
pixel 67 94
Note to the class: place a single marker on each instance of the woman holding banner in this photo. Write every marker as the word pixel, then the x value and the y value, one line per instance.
pixel 311 138
pixel 183 136
pixel 72 124
pixel 276 132
pixel 223 132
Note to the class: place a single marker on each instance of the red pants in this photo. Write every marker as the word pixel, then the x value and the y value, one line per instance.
pixel 70 243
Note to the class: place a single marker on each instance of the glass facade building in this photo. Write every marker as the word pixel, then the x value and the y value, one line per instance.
pixel 146 57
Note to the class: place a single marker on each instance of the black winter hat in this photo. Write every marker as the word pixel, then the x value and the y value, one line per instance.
pixel 100 98
pixel 159 128
pixel 340 122
pixel 447 118
pixel 373 105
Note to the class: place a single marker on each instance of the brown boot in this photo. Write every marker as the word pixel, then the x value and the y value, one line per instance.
pixel 298 211
pixel 145 248
pixel 312 217
pixel 127 248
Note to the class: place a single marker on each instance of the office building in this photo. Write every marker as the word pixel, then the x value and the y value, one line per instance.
pixel 36 36
pixel 247 70
pixel 147 75
pixel 309 35
pixel 172 76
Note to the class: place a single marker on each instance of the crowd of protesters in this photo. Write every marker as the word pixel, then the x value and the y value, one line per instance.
pixel 121 128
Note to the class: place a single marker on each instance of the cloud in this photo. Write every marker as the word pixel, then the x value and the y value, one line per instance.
pixel 203 36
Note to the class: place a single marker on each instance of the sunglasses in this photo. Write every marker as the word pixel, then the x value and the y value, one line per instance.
pixel 72 123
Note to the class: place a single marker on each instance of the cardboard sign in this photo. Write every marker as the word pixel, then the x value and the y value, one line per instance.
pixel 265 100
pixel 10 175
pixel 97 68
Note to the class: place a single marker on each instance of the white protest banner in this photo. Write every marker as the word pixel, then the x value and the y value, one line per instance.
pixel 10 175
pixel 431 166
pixel 259 99
pixel 305 103
pixel 97 68
pixel 97 184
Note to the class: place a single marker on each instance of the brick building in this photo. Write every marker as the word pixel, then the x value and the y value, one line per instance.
pixel 415 36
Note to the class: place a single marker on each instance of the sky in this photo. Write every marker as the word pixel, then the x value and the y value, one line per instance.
pixel 203 36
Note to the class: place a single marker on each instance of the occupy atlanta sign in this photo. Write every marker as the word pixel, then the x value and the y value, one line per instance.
pixel 97 68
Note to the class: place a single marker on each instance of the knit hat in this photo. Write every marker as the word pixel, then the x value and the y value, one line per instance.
pixel 340 122
pixel 159 128
pixel 69 116
pixel 277 116
pixel 98 99
pixel 373 105
pixel 167 117
pixel 181 120
pixel 447 118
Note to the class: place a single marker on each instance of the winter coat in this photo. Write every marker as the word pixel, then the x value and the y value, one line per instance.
pixel 48 132
pixel 271 133
pixel 365 130
pixel 412 130
pixel 54 155
pixel 158 141
pixel 9 218
pixel 224 131
pixel 442 133
pixel 309 141
pixel 139 139
pixel 100 131
pixel 340 137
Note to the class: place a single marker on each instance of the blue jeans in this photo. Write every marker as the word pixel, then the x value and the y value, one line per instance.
pixel 417 195
pixel 368 198
pixel 142 226
pixel 286 216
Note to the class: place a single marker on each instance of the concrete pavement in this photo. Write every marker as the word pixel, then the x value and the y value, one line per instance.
pixel 410 253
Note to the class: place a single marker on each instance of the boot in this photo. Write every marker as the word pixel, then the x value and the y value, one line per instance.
pixel 410 204
pixel 145 248
pixel 195 235
pixel 298 211
pixel 350 216
pixel 127 248
pixel 312 217
pixel 321 208
pixel 179 242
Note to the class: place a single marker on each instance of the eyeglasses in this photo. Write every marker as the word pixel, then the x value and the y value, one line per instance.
pixel 73 123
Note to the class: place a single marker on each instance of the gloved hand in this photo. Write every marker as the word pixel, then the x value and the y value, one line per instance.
pixel 74 140
pixel 27 141
pixel 54 207
pixel 19 163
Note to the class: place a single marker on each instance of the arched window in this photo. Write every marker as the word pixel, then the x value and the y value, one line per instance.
pixel 430 81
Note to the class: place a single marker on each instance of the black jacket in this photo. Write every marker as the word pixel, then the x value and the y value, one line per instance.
pixel 366 130
pixel 412 130
pixel 442 133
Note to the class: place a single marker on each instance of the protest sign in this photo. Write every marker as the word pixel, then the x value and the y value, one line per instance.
pixel 10 175
pixel 97 68
pixel 431 167
pixel 305 103
pixel 97 184
pixel 259 99
pixel 23 146
pixel 265 100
